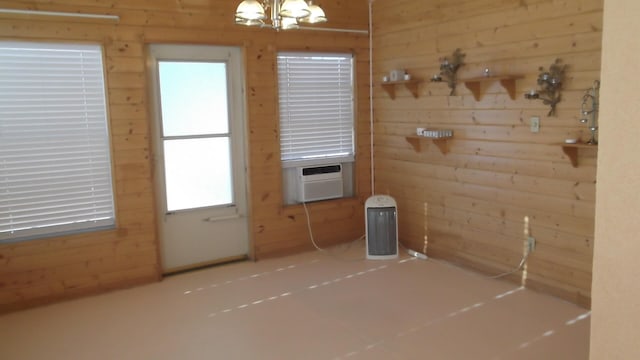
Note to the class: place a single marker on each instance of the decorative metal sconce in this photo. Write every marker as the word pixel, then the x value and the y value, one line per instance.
pixel 550 83
pixel 589 110
pixel 448 70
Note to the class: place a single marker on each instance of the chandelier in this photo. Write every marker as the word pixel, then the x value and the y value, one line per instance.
pixel 285 14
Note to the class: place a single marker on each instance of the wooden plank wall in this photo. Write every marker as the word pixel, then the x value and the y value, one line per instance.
pixel 497 171
pixel 41 271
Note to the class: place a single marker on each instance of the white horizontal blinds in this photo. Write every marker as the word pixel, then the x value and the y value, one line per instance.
pixel 55 168
pixel 316 105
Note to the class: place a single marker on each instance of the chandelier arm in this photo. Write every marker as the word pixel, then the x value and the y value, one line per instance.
pixel 354 31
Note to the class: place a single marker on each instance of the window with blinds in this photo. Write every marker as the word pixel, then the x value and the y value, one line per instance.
pixel 316 98
pixel 55 167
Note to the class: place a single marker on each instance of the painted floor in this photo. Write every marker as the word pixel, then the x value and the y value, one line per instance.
pixel 317 305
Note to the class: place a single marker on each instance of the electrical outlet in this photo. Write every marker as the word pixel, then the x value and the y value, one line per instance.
pixel 535 124
pixel 531 243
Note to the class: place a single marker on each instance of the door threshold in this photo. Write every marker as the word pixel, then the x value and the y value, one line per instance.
pixel 204 265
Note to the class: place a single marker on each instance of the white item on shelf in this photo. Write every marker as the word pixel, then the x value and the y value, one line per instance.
pixel 437 134
pixel 396 75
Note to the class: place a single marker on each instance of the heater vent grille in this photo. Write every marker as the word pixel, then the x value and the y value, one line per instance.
pixel 381 227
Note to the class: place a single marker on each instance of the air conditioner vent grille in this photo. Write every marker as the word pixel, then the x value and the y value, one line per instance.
pixel 319 183
pixel 321 170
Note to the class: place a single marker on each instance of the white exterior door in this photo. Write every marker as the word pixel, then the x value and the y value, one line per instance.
pixel 199 158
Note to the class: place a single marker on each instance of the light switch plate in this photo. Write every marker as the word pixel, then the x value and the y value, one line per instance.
pixel 535 124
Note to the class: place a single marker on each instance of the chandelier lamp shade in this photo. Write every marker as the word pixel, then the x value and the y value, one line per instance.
pixel 284 14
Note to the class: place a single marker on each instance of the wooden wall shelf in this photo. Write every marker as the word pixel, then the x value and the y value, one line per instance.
pixel 411 85
pixel 508 82
pixel 415 141
pixel 571 150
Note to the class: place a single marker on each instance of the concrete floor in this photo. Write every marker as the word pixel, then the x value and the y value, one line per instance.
pixel 317 305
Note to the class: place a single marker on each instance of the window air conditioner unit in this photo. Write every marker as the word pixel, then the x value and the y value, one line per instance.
pixel 319 183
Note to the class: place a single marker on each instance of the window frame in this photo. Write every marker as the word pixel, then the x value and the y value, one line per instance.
pixel 320 160
pixel 236 132
pixel 87 224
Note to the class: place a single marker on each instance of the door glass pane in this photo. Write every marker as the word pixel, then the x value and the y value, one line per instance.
pixel 198 173
pixel 194 98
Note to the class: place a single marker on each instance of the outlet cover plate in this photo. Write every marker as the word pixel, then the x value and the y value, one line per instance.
pixel 535 124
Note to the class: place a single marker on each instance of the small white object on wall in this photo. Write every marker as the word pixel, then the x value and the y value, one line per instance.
pixel 396 75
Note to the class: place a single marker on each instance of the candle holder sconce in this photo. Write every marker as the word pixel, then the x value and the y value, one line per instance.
pixel 550 84
pixel 448 70
pixel 589 110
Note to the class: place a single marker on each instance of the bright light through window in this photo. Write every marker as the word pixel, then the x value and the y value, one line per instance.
pixel 198 173
pixel 194 98
pixel 195 134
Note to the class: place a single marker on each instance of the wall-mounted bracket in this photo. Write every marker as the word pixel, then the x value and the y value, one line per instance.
pixel 441 143
pixel 411 85
pixel 508 82
pixel 571 150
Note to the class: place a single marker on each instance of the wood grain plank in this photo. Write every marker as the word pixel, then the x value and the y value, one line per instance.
pixel 496 170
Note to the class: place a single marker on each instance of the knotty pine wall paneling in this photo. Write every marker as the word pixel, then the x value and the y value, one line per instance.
pixel 470 203
pixel 45 270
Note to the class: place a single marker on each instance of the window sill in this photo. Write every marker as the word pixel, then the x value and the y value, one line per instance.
pixel 329 203
pixel 317 162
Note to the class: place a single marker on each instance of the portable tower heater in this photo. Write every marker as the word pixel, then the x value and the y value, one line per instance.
pixel 382 227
